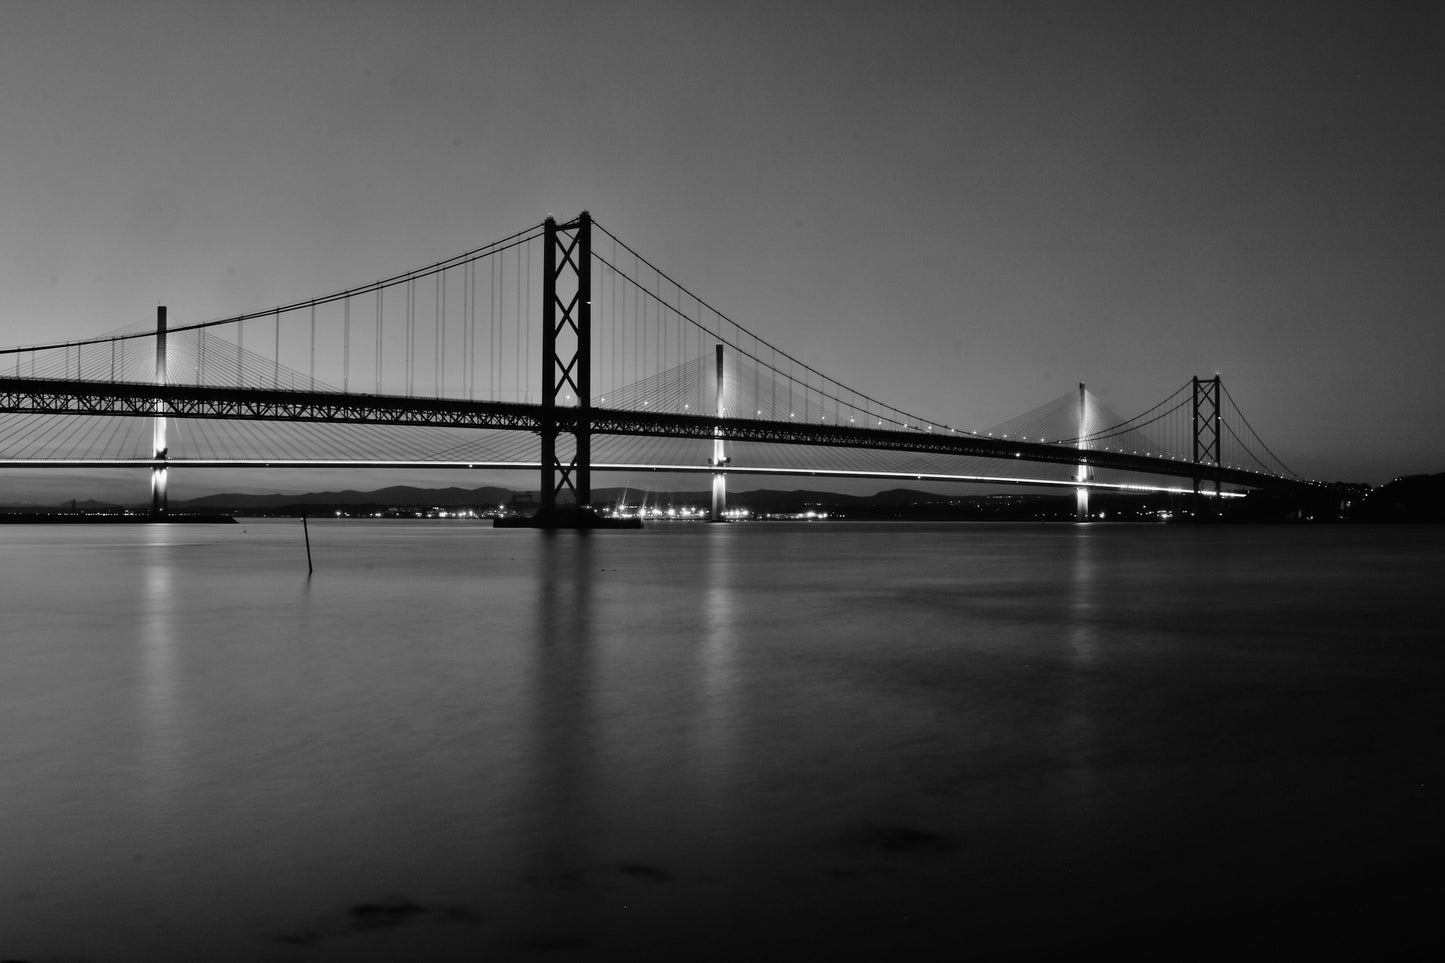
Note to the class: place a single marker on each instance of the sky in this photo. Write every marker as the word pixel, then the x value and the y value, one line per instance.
pixel 963 209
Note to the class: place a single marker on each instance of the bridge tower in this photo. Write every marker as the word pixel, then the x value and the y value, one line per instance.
pixel 719 456
pixel 158 429
pixel 1206 420
pixel 566 366
pixel 1081 494
pixel 566 481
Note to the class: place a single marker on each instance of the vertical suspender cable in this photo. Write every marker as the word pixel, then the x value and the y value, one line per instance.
pixel 632 377
pixel 442 338
pixel 634 358
pixel 501 323
pixel 646 343
pixel 499 307
pixel 491 391
pixel 599 320
pixel 468 273
pixel 346 344
pixel 520 330
pixel 526 349
pixel 473 363
pixel 616 325
pixel 437 340
pixel 698 332
pixel 619 328
pixel 468 342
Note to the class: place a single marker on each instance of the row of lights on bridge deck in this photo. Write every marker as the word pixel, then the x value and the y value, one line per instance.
pixel 1042 441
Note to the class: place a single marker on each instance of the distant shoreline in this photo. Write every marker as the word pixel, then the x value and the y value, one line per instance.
pixel 81 518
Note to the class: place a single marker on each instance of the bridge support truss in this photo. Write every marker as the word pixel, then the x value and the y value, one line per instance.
pixel 566 361
pixel 1206 421
pixel 566 482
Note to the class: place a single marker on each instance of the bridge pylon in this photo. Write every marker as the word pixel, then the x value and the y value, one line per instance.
pixel 566 481
pixel 159 447
pixel 1081 494
pixel 566 360
pixel 719 455
pixel 1207 431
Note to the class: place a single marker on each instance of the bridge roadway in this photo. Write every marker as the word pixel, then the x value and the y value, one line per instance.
pixel 74 397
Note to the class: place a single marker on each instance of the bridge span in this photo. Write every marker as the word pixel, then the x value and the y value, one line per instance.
pixel 625 354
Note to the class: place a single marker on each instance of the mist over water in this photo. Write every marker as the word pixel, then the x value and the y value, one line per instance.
pixel 758 739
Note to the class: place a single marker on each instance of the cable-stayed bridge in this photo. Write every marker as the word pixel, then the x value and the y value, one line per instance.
pixel 564 350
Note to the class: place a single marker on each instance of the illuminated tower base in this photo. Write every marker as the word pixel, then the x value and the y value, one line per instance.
pixel 719 496
pixel 158 491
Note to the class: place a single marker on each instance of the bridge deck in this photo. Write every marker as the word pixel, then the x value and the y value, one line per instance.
pixel 62 396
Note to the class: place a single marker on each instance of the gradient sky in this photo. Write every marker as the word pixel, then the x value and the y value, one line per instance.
pixel 961 208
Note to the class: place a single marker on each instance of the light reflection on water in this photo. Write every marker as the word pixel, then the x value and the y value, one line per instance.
pixel 156 637
pixel 714 748
pixel 1080 727
pixel 452 738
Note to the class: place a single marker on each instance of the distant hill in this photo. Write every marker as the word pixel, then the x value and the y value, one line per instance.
pixel 897 503
pixel 398 495
pixel 405 496
pixel 1414 498
pixel 87 506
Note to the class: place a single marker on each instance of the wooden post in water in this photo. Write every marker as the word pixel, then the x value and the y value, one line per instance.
pixel 307 532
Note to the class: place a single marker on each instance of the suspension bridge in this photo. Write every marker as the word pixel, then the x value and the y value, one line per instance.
pixel 561 349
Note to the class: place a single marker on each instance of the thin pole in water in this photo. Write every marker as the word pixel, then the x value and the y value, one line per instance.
pixel 307 532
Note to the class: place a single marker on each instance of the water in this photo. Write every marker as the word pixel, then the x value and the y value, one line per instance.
pixel 759 740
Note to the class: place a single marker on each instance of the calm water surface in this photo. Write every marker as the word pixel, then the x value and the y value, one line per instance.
pixel 748 741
